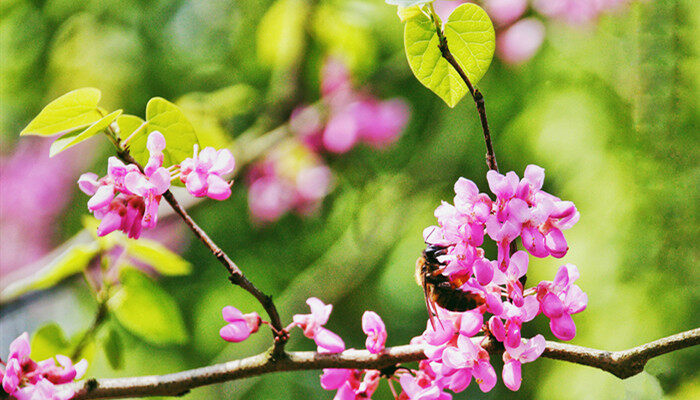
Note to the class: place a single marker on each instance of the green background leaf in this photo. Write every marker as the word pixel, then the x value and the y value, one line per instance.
pixel 426 62
pixel 71 111
pixel 146 310
pixel 114 349
pixel 471 39
pixel 168 119
pixel 280 35
pixel 158 256
pixel 48 341
pixel 72 138
pixel 70 262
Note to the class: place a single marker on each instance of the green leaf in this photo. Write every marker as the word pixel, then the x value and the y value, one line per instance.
pixel 146 310
pixel 280 35
pixel 114 349
pixel 73 110
pixel 158 256
pixel 48 341
pixel 128 124
pixel 471 39
pixel 426 62
pixel 407 3
pixel 168 119
pixel 70 139
pixel 70 262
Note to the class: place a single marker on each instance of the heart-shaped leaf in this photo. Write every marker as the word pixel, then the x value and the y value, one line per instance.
pixel 426 62
pixel 471 40
pixel 146 310
pixel 168 119
pixel 73 110
pixel 72 138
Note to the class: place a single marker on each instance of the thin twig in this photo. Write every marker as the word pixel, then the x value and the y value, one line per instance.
pixel 476 94
pixel 236 275
pixel 100 317
pixel 622 364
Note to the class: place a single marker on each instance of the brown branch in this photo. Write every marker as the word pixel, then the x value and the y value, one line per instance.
pixel 236 275
pixel 476 94
pixel 622 364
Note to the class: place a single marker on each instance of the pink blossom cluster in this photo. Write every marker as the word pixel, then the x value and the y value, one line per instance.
pixel 347 117
pixel 521 209
pixel 351 384
pixel 289 178
pixel 293 176
pixel 24 379
pixel 519 33
pixel 355 384
pixel 127 199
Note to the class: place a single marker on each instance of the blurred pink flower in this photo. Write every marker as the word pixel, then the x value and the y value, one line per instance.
pixel 26 189
pixel 504 12
pixel 519 42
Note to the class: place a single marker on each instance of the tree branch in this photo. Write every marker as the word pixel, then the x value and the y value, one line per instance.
pixel 236 275
pixel 476 94
pixel 622 364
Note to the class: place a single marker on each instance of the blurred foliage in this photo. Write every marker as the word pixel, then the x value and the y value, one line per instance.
pixel 609 110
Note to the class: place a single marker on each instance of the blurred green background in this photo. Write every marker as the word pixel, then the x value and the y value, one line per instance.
pixel 609 110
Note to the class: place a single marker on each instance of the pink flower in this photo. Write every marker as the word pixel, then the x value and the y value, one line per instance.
pixel 414 391
pixel 149 188
pixel 560 299
pixel 526 351
pixel 127 199
pixel 333 379
pixel 240 325
pixel 467 360
pixel 202 174
pixel 25 379
pixel 373 327
pixel 312 325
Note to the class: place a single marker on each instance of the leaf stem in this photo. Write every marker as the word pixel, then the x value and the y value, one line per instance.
pixel 236 275
pixel 100 318
pixel 476 94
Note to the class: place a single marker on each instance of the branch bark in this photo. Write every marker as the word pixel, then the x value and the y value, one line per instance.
pixel 476 94
pixel 622 364
pixel 236 275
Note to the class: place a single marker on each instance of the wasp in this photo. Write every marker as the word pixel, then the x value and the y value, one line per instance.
pixel 438 288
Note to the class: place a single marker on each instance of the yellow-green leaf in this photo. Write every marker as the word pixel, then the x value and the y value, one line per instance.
pixel 70 262
pixel 67 113
pixel 158 256
pixel 128 124
pixel 280 35
pixel 471 39
pixel 146 310
pixel 72 138
pixel 168 119
pixel 114 349
pixel 48 341
pixel 426 62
